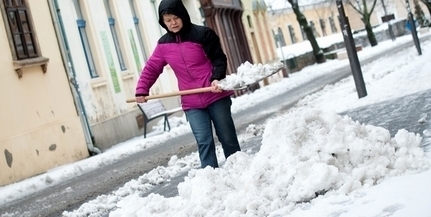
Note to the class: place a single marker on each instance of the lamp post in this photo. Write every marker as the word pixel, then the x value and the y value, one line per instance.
pixel 413 26
pixel 282 54
pixel 355 66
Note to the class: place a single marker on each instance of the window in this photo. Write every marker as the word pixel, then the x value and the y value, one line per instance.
pixel 292 34
pixel 21 29
pixel 84 40
pixel 304 36
pixel 111 21
pixel 137 29
pixel 313 28
pixel 249 21
pixel 23 43
pixel 332 23
pixel 280 37
pixel 323 26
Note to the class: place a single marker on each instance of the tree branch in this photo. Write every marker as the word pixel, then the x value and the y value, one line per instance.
pixel 353 6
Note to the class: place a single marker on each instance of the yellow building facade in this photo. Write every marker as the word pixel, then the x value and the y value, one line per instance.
pixel 40 126
pixel 323 18
pixel 259 36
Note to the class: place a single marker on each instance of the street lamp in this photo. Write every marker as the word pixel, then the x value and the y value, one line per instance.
pixel 282 53
pixel 355 66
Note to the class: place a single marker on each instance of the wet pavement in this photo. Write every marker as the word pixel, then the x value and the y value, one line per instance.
pixel 411 112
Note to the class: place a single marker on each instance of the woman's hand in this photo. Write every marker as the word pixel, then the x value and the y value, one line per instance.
pixel 140 99
pixel 216 88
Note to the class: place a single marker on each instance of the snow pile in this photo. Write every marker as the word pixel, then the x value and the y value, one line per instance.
pixel 248 74
pixel 104 203
pixel 322 151
pixel 304 154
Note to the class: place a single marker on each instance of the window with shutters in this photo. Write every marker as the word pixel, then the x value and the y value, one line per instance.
pixel 22 36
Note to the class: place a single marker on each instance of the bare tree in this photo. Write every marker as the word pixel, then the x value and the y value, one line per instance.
pixel 365 8
pixel 428 4
pixel 303 23
pixel 323 9
pixel 419 14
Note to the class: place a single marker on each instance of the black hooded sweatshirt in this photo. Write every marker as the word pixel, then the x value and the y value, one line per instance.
pixel 194 54
pixel 193 33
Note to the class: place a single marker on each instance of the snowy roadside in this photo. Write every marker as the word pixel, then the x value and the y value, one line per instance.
pixel 159 175
pixel 328 99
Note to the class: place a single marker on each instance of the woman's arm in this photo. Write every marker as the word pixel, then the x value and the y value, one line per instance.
pixel 212 47
pixel 152 70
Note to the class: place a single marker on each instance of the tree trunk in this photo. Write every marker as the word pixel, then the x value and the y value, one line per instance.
pixel 428 6
pixel 419 14
pixel 370 34
pixel 317 52
pixel 366 15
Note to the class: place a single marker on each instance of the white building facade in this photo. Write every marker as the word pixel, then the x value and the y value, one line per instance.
pixel 108 43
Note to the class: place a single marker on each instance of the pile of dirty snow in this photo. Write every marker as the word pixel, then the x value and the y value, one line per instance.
pixel 303 155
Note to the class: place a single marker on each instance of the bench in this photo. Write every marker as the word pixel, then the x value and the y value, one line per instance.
pixel 155 109
pixel 424 30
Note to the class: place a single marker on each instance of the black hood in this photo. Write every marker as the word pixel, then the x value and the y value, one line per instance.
pixel 177 8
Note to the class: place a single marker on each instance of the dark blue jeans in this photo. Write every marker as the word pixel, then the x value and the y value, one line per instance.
pixel 201 122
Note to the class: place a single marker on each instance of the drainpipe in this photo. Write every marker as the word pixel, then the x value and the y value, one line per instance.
pixel 68 65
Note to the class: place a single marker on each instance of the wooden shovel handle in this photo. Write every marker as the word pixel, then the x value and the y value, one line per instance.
pixel 176 93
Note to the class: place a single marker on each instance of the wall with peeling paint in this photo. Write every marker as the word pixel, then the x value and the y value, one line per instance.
pixel 39 125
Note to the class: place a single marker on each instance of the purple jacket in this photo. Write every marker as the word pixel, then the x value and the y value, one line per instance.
pixel 194 54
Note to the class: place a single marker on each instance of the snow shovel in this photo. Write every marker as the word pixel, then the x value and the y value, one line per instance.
pixel 246 76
